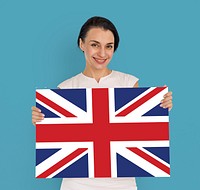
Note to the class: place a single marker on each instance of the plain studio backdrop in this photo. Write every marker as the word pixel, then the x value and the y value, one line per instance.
pixel 160 44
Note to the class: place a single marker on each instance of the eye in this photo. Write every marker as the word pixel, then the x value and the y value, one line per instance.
pixel 94 45
pixel 109 46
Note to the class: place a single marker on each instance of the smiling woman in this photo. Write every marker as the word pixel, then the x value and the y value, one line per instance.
pixel 98 48
pixel 98 39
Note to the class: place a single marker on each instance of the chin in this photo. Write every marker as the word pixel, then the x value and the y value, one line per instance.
pixel 101 67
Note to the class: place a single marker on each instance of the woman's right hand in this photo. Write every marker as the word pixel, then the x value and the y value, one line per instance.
pixel 36 115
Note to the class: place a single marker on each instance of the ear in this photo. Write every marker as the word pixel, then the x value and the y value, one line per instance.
pixel 81 44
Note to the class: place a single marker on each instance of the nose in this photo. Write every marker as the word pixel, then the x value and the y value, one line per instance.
pixel 102 52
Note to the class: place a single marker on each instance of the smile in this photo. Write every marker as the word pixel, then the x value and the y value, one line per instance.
pixel 100 61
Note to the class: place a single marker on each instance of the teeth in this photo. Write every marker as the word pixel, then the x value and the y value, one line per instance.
pixel 100 60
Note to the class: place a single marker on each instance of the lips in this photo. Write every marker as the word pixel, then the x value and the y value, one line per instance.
pixel 100 61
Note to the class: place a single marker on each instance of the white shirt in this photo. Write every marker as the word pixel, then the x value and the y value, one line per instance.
pixel 114 79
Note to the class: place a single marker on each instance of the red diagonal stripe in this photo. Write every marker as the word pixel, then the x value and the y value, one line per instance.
pixel 53 105
pixel 62 162
pixel 140 101
pixel 101 132
pixel 150 159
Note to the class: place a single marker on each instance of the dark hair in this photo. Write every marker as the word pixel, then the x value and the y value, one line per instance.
pixel 99 22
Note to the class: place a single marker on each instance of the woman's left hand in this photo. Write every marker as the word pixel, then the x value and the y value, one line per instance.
pixel 167 101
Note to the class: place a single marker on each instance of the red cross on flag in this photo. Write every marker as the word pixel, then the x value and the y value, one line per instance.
pixel 104 132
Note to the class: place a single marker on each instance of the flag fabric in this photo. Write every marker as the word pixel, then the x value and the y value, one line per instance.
pixel 102 132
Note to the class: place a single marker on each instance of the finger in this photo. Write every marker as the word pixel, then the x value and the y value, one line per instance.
pixel 168 94
pixel 167 104
pixel 37 118
pixel 34 108
pixel 37 114
pixel 169 98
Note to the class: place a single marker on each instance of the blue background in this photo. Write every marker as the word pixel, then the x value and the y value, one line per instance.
pixel 160 44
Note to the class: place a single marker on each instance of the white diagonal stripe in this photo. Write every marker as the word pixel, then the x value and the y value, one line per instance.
pixel 66 149
pixel 120 147
pixel 82 116
pixel 136 115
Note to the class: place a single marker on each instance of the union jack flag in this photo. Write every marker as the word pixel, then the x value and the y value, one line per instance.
pixel 102 132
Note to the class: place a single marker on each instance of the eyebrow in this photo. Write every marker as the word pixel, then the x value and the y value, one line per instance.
pixel 99 42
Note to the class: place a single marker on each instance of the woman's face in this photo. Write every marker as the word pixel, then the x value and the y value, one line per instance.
pixel 98 47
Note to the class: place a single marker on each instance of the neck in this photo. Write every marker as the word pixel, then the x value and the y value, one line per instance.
pixel 97 74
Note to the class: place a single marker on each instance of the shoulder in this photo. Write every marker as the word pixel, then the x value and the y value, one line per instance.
pixel 126 78
pixel 70 82
pixel 123 75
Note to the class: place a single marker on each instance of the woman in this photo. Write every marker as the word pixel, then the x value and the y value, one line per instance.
pixel 98 39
